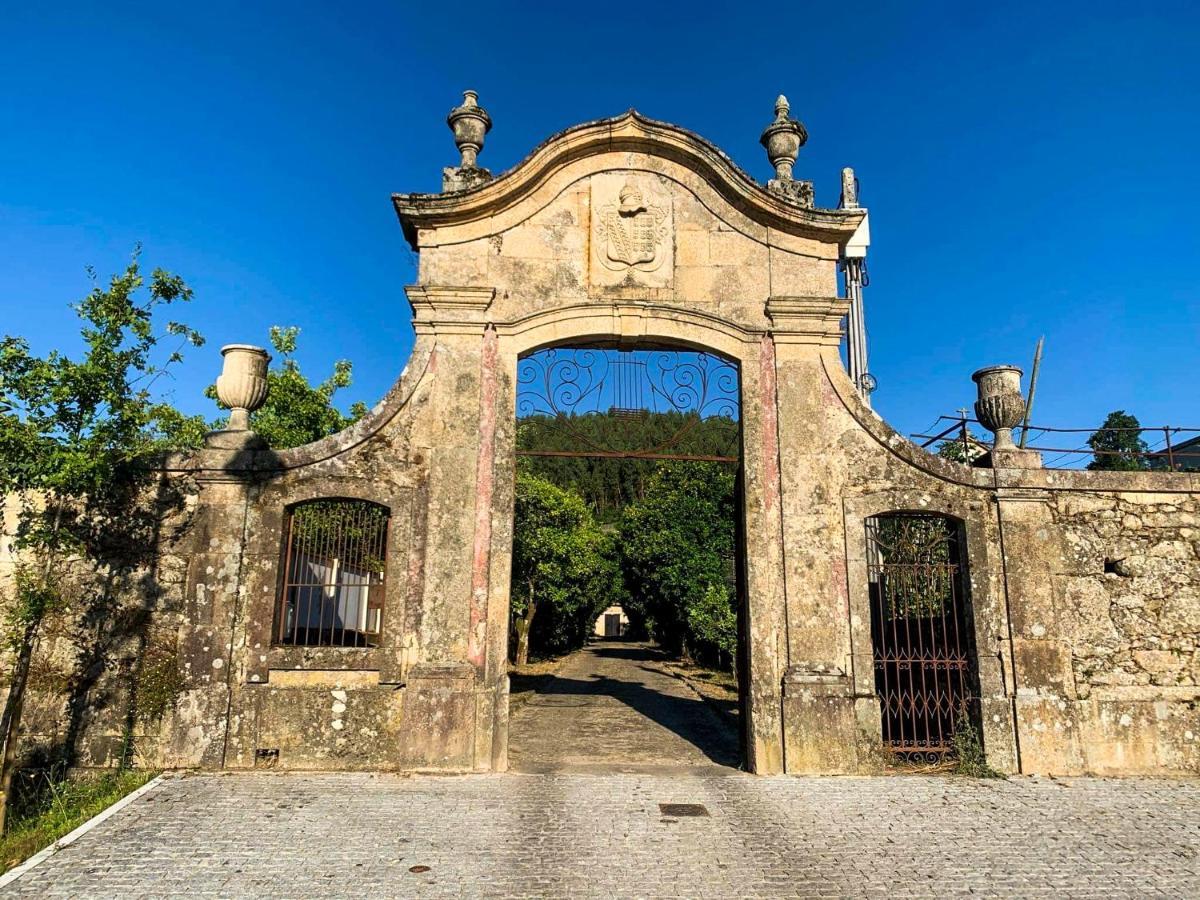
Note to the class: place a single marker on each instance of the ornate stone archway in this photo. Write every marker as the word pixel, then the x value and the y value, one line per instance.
pixel 631 231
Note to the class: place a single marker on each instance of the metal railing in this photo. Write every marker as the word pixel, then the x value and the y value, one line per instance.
pixel 1169 448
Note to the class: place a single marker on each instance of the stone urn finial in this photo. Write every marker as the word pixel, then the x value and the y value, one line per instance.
pixel 783 139
pixel 1000 406
pixel 469 122
pixel 242 385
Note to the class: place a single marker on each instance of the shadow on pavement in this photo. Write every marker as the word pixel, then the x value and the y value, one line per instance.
pixel 688 717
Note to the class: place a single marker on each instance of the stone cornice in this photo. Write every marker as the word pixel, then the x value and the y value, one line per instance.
pixel 807 320
pixel 635 133
pixel 427 299
pixel 449 308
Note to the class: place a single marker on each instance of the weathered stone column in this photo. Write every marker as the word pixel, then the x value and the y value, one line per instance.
pixel 820 730
pixel 766 615
pixel 1039 657
pixel 448 705
pixel 211 641
pixel 1036 663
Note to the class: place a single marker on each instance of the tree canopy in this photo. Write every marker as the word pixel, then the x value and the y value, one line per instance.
pixel 675 521
pixel 677 552
pixel 564 568
pixel 75 438
pixel 964 451
pixel 1118 445
pixel 610 484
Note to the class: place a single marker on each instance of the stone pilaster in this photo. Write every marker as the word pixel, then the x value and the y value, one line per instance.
pixel 211 642
pixel 820 727
pixel 1039 660
pixel 448 705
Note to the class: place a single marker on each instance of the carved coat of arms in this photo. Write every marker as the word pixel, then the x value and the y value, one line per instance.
pixel 630 232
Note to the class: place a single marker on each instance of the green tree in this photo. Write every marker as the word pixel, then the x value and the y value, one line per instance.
pixel 610 484
pixel 1118 446
pixel 712 622
pixel 75 437
pixel 958 450
pixel 296 411
pixel 677 547
pixel 563 566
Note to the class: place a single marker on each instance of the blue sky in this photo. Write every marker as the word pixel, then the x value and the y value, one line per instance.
pixel 1030 168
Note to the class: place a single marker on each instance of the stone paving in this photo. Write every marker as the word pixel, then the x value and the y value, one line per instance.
pixel 590 835
pixel 613 705
pixel 603 744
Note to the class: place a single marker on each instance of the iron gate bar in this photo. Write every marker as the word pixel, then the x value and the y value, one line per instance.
pixel 336 560
pixel 634 392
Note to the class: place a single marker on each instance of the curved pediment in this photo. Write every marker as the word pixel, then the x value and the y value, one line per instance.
pixel 628 133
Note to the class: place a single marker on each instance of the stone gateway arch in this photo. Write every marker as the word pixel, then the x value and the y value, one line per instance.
pixel 633 233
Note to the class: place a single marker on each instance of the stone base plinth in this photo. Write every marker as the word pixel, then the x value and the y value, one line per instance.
pixel 438 733
pixel 1016 458
pixel 234 439
pixel 819 724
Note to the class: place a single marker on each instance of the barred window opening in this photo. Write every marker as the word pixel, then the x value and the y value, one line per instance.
pixel 334 574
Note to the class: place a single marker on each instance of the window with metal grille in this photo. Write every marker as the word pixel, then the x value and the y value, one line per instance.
pixel 334 574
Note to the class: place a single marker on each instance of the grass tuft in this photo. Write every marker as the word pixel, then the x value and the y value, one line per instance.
pixel 970 759
pixel 54 808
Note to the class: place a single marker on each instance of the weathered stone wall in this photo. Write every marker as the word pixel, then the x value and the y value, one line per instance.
pixel 1109 650
pixel 1131 590
pixel 108 672
pixel 1079 580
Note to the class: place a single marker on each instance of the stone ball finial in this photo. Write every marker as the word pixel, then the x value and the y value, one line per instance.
pixel 783 139
pixel 1001 406
pixel 469 122
pixel 242 385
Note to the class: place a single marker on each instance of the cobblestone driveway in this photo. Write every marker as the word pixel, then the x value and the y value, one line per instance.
pixel 586 835
pixel 614 705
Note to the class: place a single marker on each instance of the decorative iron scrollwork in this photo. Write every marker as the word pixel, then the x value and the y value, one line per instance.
pixel 649 404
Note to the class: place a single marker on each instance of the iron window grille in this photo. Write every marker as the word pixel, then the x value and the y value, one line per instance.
pixel 334 574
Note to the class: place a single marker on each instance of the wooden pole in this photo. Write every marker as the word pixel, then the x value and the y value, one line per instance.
pixel 1033 377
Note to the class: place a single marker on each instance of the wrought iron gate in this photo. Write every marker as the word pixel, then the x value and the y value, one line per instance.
pixel 926 675
pixel 628 404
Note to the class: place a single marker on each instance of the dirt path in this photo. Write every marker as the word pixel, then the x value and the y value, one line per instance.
pixel 614 706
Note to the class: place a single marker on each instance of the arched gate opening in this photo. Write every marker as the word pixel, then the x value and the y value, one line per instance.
pixel 628 556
